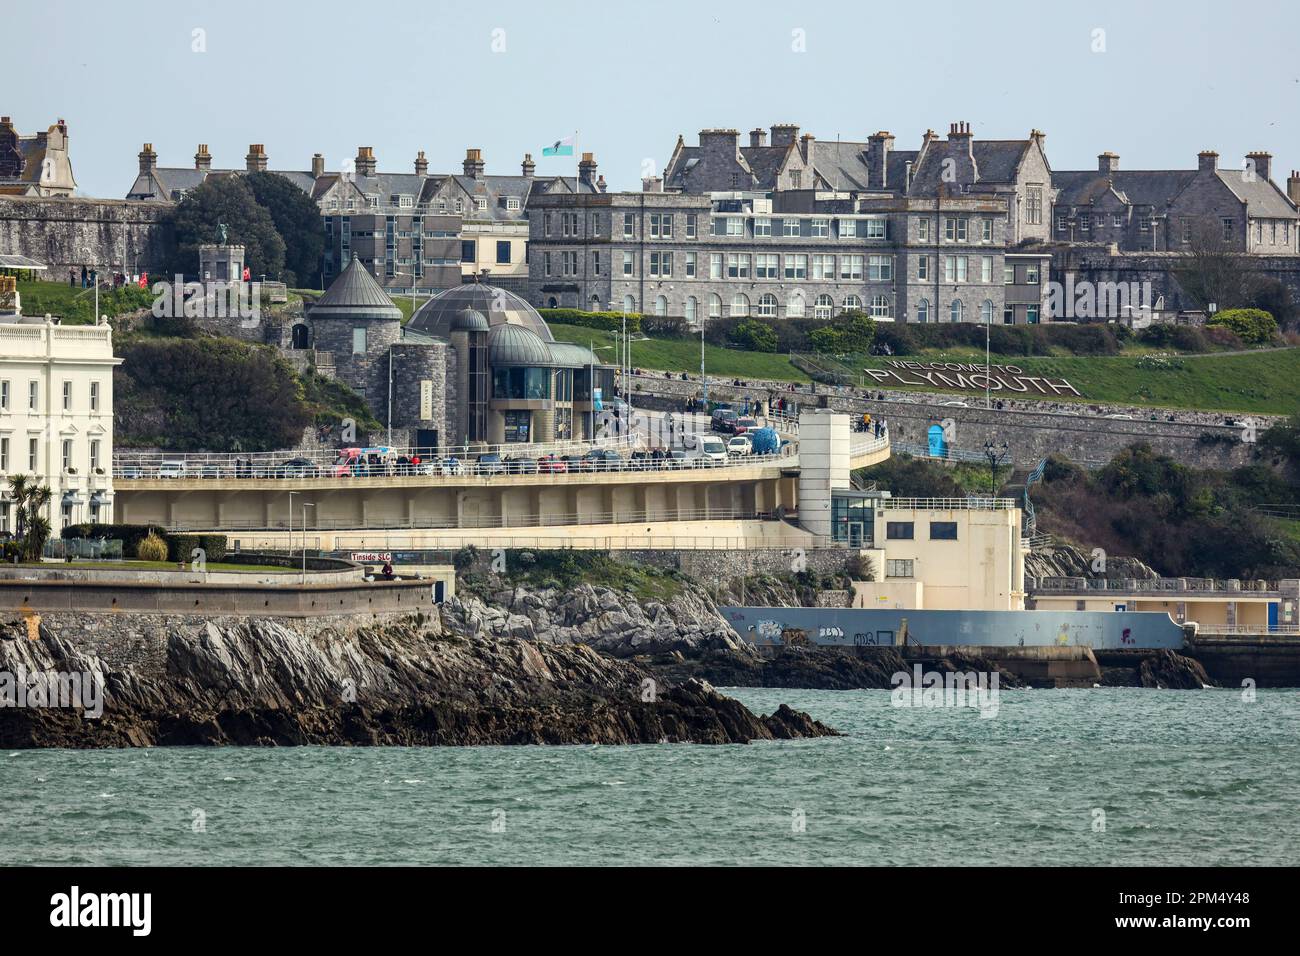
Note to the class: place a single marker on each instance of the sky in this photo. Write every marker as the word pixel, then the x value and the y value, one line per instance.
pixel 1155 82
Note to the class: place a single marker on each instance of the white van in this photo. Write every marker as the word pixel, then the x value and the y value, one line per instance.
pixel 712 448
pixel 172 468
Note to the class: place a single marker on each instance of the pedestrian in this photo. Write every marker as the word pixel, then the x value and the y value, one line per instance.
pixel 72 279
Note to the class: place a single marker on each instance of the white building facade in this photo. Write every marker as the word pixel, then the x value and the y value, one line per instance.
pixel 56 416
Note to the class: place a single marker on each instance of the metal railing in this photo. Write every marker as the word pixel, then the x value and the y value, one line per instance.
pixel 641 462
pixel 948 504
pixel 1231 630
pixel 1199 586
pixel 865 446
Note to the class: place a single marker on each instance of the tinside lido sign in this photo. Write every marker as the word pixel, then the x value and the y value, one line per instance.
pixel 968 376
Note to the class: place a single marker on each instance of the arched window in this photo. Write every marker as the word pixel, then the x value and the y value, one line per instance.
pixel 767 304
pixel 794 309
pixel 881 307
pixel 923 310
pixel 551 303
pixel 852 303
pixel 661 305
pixel 692 309
pixel 740 304
pixel 595 303
pixel 715 306
pixel 955 311
pixel 824 307
pixel 629 303
pixel 986 311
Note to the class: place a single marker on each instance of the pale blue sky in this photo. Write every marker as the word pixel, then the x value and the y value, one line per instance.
pixel 1175 77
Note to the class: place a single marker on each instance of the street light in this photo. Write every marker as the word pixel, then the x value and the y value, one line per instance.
pixel 291 494
pixel 305 506
pixel 995 454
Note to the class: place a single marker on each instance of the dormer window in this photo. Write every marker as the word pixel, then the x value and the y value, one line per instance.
pixel 460 205
pixel 480 203
pixel 512 203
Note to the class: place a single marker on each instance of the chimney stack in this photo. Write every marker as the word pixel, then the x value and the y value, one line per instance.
pixel 600 184
pixel 1262 163
pixel 255 161
pixel 365 164
pixel 783 134
pixel 421 164
pixel 203 159
pixel 528 166
pixel 1207 160
pixel 1293 187
pixel 474 165
pixel 587 170
pixel 652 184
pixel 758 137
pixel 879 146
pixel 317 165
pixel 808 141
pixel 1107 163
pixel 148 158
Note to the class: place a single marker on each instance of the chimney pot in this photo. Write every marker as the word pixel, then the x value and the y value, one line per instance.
pixel 1107 163
pixel 528 166
pixel 1207 160
pixel 317 165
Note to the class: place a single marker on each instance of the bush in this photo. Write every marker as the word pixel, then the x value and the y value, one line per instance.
pixel 180 547
pixel 1252 326
pixel 151 548
pixel 12 551
pixel 605 321
pixel 754 336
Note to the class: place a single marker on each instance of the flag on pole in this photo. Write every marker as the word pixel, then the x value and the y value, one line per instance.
pixel 561 147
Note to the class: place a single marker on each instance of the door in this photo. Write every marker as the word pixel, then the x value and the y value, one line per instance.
pixel 1121 607
pixel 1272 615
pixel 856 534
pixel 426 440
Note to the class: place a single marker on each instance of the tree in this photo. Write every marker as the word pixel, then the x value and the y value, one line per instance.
pixel 853 333
pixel 228 200
pixel 30 499
pixel 1213 272
pixel 754 336
pixel 1273 296
pixel 297 220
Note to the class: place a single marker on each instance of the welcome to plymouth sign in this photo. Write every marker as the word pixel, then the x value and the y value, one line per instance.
pixel 968 376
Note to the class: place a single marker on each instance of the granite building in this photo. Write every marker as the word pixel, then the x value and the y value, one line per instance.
pixel 1160 210
pixel 414 231
pixel 792 227
pixel 36 165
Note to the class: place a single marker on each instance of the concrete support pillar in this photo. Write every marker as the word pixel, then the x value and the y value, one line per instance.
pixel 643 501
pixel 823 466
pixel 607 501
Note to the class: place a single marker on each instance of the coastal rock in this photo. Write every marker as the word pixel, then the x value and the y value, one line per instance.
pixel 1173 671
pixel 410 682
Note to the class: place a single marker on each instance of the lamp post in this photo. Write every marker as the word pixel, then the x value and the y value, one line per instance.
pixel 988 330
pixel 305 506
pixel 704 382
pixel 995 454
pixel 291 494
pixel 593 348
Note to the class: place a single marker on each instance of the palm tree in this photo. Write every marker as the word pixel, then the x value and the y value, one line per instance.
pixel 38 532
pixel 18 488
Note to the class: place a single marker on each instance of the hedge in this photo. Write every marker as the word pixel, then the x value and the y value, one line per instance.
pixel 605 321
pixel 180 547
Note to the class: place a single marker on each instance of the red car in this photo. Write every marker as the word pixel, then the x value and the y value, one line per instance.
pixel 550 465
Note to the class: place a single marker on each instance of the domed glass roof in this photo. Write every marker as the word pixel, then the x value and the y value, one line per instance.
pixel 517 345
pixel 437 316
pixel 469 321
pixel 567 355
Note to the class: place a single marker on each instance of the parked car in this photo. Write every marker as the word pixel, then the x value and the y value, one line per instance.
pixel 744 425
pixel 521 466
pixel 172 468
pixel 740 445
pixel 677 458
pixel 550 465
pixel 491 465
pixel 297 468
pixel 451 468
pixel 207 470
pixel 131 471
pixel 955 405
pixel 723 420
pixel 604 459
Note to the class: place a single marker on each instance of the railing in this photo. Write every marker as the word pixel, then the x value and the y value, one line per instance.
pixel 1231 630
pixel 948 504
pixel 1200 586
pixel 641 462
pixel 866 446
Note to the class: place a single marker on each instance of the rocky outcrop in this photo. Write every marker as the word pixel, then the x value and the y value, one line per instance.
pixel 409 682
pixel 1067 561
pixel 1170 670
pixel 609 621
